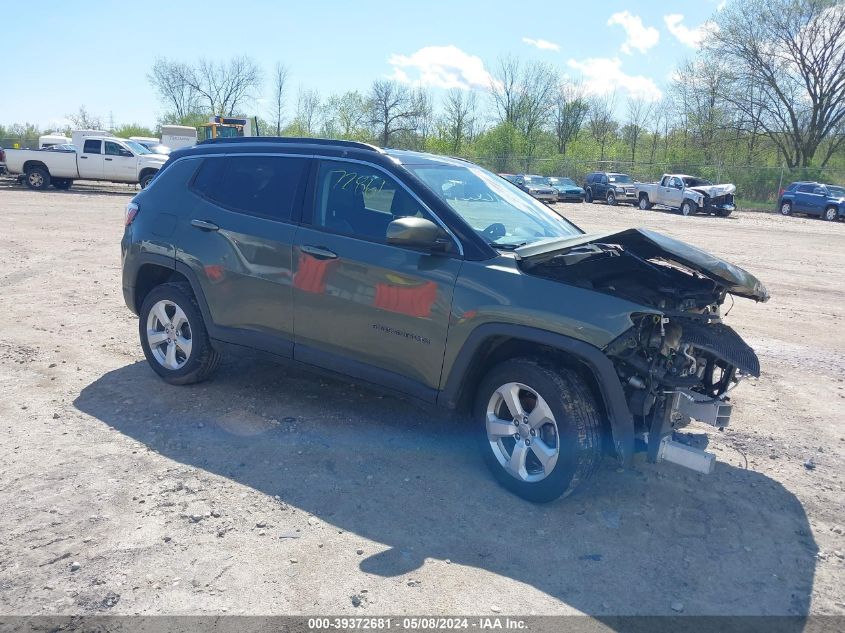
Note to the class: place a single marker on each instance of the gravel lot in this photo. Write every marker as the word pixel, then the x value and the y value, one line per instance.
pixel 266 491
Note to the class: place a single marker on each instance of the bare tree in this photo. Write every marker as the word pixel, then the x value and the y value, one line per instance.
pixel 84 120
pixel 459 117
pixel 600 121
pixel 224 87
pixel 393 110
pixel 570 110
pixel 639 112
pixel 168 79
pixel 794 52
pixel 505 88
pixel 280 79
pixel 306 122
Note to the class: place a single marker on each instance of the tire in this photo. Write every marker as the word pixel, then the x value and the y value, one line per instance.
pixel 786 208
pixel 193 360
pixel 688 207
pixel 644 204
pixel 37 178
pixel 146 179
pixel 830 214
pixel 588 195
pixel 63 184
pixel 575 428
pixel 723 213
pixel 611 198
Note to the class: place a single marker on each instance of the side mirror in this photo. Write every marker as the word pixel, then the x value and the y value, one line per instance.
pixel 416 233
pixel 126 153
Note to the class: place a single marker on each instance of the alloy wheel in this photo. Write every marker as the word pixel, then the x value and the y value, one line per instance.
pixel 522 432
pixel 169 335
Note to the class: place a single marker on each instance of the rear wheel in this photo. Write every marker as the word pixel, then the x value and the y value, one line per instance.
pixel 786 208
pixel 644 204
pixel 611 198
pixel 588 195
pixel 62 183
pixel 173 335
pixel 37 178
pixel 688 207
pixel 830 214
pixel 539 428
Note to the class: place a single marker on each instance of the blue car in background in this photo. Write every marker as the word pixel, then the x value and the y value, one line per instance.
pixel 567 189
pixel 812 198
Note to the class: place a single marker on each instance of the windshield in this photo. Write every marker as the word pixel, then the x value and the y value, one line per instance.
pixel 500 212
pixel 137 147
pixel 621 178
pixel 697 182
pixel 563 181
pixel 536 180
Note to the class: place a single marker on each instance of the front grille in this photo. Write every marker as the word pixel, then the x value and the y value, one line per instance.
pixel 721 341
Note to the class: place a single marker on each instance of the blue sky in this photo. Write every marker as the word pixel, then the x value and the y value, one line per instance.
pixel 98 53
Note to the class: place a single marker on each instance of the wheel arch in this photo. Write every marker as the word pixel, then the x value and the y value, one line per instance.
pixel 492 343
pixel 31 164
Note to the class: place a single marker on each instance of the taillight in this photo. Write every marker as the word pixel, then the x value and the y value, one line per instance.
pixel 131 211
pixel 780 193
pixel 2 156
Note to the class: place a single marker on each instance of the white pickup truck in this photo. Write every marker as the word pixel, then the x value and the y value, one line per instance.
pixel 687 194
pixel 100 158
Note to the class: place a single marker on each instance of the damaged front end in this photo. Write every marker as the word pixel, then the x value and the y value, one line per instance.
pixel 679 361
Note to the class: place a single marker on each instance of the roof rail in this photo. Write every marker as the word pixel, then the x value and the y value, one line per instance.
pixel 292 140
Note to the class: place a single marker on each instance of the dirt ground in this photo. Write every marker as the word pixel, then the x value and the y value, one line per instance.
pixel 267 491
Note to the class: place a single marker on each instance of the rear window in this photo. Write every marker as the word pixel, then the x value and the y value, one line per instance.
pixel 263 186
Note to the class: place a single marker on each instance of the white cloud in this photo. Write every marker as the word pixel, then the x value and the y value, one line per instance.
pixel 543 45
pixel 639 35
pixel 692 37
pixel 440 67
pixel 721 5
pixel 605 74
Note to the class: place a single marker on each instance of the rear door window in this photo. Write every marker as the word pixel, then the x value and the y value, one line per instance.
pixel 92 146
pixel 263 186
pixel 806 188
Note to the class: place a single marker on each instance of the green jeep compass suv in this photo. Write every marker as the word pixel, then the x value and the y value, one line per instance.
pixel 434 278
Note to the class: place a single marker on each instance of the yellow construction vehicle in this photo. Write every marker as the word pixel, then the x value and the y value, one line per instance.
pixel 224 127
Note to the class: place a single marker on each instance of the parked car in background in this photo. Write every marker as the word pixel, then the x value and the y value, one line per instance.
pixel 537 186
pixel 106 158
pixel 64 147
pixel 611 187
pixel 567 189
pixel 687 194
pixel 508 177
pixel 2 161
pixel 812 198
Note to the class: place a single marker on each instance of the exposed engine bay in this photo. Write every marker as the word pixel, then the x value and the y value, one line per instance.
pixel 678 362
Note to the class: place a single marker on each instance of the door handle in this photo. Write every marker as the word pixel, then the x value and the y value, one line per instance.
pixel 204 225
pixel 318 251
pixel 108 159
pixel 84 157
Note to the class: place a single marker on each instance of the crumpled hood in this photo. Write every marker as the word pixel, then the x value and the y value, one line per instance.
pixel 652 245
pixel 714 191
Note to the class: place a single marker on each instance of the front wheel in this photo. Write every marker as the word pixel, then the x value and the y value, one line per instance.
pixel 146 179
pixel 723 213
pixel 539 428
pixel 588 195
pixel 830 214
pixel 688 207
pixel 173 335
pixel 611 198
